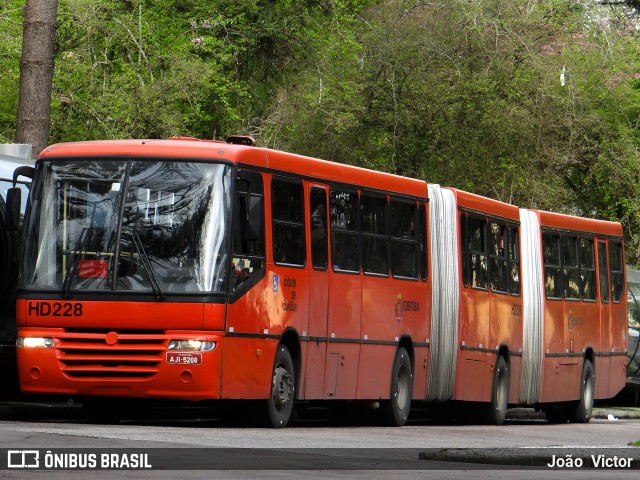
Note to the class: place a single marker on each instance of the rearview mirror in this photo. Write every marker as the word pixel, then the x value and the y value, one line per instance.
pixel 12 217
pixel 23 171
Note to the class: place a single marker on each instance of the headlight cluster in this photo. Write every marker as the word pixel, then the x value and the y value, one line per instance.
pixel 191 345
pixel 34 342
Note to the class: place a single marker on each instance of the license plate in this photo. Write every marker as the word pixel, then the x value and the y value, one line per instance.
pixel 184 358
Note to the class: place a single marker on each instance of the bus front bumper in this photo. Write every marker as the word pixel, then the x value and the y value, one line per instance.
pixel 184 365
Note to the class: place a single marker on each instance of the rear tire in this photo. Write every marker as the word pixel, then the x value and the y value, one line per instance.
pixel 395 411
pixel 499 393
pixel 587 389
pixel 579 412
pixel 280 402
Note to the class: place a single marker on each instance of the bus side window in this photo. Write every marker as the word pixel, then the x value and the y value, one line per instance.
pixel 422 238
pixel 477 232
pixel 514 261
pixel 405 259
pixel 345 241
pixel 603 271
pixel 319 231
pixel 375 242
pixel 464 248
pixel 587 268
pixel 497 255
pixel 287 208
pixel 617 270
pixel 248 221
pixel 570 267
pixel 551 253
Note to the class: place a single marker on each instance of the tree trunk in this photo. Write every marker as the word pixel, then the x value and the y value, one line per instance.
pixel 36 74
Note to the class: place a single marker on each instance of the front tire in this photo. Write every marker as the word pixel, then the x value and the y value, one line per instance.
pixel 280 402
pixel 395 411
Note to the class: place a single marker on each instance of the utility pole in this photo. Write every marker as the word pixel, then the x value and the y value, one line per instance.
pixel 36 74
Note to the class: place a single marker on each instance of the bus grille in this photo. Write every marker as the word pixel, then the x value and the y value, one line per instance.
pixel 118 355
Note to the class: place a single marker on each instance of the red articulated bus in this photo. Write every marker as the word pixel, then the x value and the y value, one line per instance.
pixel 204 270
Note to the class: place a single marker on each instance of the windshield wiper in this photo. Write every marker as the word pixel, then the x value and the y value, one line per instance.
pixel 72 269
pixel 146 263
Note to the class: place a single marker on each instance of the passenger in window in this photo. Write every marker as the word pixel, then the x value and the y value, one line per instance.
pixel 241 272
pixel 479 263
pixel 411 232
pixel 515 277
pixel 573 289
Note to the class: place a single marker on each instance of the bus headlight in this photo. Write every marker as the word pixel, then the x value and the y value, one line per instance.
pixel 191 345
pixel 34 342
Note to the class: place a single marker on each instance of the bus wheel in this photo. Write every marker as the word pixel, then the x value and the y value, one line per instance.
pixel 499 393
pixel 395 411
pixel 280 403
pixel 587 386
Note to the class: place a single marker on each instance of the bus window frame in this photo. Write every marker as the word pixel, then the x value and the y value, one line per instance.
pixel 603 262
pixel 356 232
pixel 312 205
pixel 617 244
pixel 464 249
pixel 583 268
pixel 299 224
pixel 254 279
pixel 423 221
pixel 513 258
pixel 415 240
pixel 566 241
pixel 377 236
pixel 481 253
pixel 496 255
pixel 555 266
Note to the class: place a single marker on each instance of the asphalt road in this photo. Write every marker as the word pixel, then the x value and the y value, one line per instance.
pixel 192 443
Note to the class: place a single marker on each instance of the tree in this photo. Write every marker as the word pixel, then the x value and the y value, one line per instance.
pixel 465 93
pixel 36 73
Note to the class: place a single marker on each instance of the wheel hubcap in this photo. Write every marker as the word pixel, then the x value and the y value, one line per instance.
pixel 402 391
pixel 282 387
pixel 588 394
pixel 501 394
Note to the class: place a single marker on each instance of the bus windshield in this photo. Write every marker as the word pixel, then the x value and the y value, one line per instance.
pixel 148 226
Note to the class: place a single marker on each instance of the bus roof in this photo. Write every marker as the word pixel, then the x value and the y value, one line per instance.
pixel 482 204
pixel 314 169
pixel 559 221
pixel 265 158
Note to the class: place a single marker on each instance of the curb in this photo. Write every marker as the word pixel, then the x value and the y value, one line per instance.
pixel 601 413
pixel 617 412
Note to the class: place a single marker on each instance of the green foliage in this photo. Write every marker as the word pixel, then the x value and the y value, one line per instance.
pixel 159 68
pixel 133 69
pixel 471 96
pixel 463 93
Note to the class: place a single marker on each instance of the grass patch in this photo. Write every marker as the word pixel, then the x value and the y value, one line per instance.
pixel 635 444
